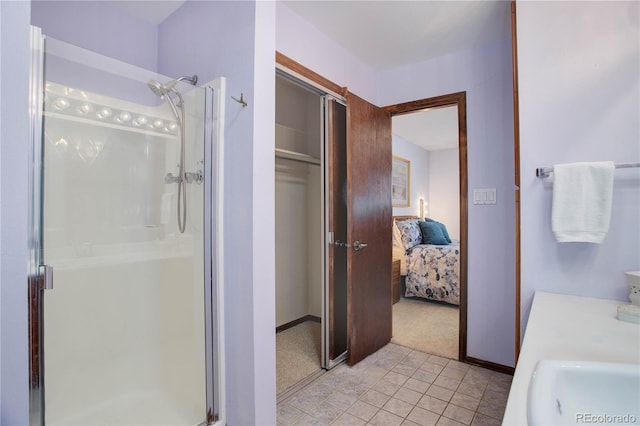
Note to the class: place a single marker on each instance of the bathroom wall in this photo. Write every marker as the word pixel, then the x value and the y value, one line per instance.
pixel 91 24
pixel 419 173
pixel 485 74
pixel 444 189
pixel 579 101
pixel 234 39
pixel 294 36
pixel 14 187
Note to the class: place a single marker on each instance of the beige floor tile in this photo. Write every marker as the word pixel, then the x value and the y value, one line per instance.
pixel 409 423
pixel 304 403
pixel 385 418
pixel 424 376
pixel 412 362
pixel 431 367
pixel 308 420
pixel 405 369
pixel 445 421
pixel 327 411
pixel 458 414
pixel 465 401
pixel 458 365
pixel 423 417
pixel 386 387
pixel 347 419
pixel 408 395
pixel 432 404
pixel 417 355
pixel 474 390
pixel 492 408
pixel 398 407
pixel 447 382
pixel 375 398
pixel 440 393
pixel 395 378
pixel 288 415
pixel 439 360
pixel 482 420
pixel 341 400
pixel 362 410
pixel 400 386
pixel 453 372
pixel 417 385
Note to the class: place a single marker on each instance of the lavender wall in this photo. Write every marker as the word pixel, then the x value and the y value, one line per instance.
pixel 294 38
pixel 419 173
pixel 214 39
pixel 14 190
pixel 100 27
pixel 485 74
pixel 579 101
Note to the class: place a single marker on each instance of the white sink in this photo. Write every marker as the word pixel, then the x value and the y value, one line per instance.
pixel 581 392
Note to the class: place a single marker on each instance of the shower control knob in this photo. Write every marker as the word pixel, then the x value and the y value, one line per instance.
pixel 170 178
pixel 196 177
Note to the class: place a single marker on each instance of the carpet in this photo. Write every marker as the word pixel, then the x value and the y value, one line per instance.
pixel 427 327
pixel 297 354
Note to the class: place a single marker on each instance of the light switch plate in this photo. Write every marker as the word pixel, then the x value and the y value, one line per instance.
pixel 484 196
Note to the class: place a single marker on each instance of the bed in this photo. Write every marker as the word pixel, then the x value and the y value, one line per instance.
pixel 430 271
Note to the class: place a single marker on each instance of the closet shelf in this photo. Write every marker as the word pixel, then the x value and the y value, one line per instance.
pixel 296 156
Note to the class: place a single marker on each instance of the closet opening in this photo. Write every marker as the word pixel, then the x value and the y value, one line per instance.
pixel 310 174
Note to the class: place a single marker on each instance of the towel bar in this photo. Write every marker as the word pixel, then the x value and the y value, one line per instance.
pixel 543 172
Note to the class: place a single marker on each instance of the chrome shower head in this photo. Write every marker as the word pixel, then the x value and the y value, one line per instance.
pixel 158 88
pixel 163 89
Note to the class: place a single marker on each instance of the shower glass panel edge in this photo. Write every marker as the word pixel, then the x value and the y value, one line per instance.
pixel 90 253
pixel 36 79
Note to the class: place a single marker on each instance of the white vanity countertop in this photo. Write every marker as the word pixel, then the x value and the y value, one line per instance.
pixel 569 328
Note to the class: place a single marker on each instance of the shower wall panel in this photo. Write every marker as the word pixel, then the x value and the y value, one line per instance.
pixel 124 326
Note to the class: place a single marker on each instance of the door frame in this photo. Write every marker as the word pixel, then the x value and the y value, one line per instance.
pixel 458 99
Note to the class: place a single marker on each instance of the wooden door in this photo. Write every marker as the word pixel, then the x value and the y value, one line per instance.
pixel 368 222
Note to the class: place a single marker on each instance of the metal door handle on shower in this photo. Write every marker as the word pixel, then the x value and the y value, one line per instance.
pixel 189 177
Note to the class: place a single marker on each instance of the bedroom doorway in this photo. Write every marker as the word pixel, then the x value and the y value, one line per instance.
pixel 430 135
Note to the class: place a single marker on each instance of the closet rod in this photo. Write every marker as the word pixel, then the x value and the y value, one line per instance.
pixel 296 156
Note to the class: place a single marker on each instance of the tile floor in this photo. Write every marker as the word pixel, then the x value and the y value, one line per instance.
pixel 400 386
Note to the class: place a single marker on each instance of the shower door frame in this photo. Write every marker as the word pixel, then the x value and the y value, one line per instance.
pixel 40 278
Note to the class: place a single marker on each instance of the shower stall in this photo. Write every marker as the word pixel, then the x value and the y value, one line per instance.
pixel 126 262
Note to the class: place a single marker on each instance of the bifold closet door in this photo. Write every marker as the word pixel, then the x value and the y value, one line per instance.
pixel 336 122
pixel 368 228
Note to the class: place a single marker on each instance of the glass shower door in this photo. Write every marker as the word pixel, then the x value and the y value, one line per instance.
pixel 126 325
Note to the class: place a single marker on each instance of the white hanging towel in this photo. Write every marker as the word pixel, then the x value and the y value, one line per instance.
pixel 582 194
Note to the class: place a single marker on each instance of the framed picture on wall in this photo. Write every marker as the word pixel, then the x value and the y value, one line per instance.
pixel 401 182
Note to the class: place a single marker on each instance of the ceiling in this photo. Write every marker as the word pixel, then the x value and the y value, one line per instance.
pixel 432 129
pixel 154 11
pixel 389 34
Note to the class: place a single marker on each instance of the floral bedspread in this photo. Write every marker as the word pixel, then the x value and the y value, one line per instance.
pixel 433 272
